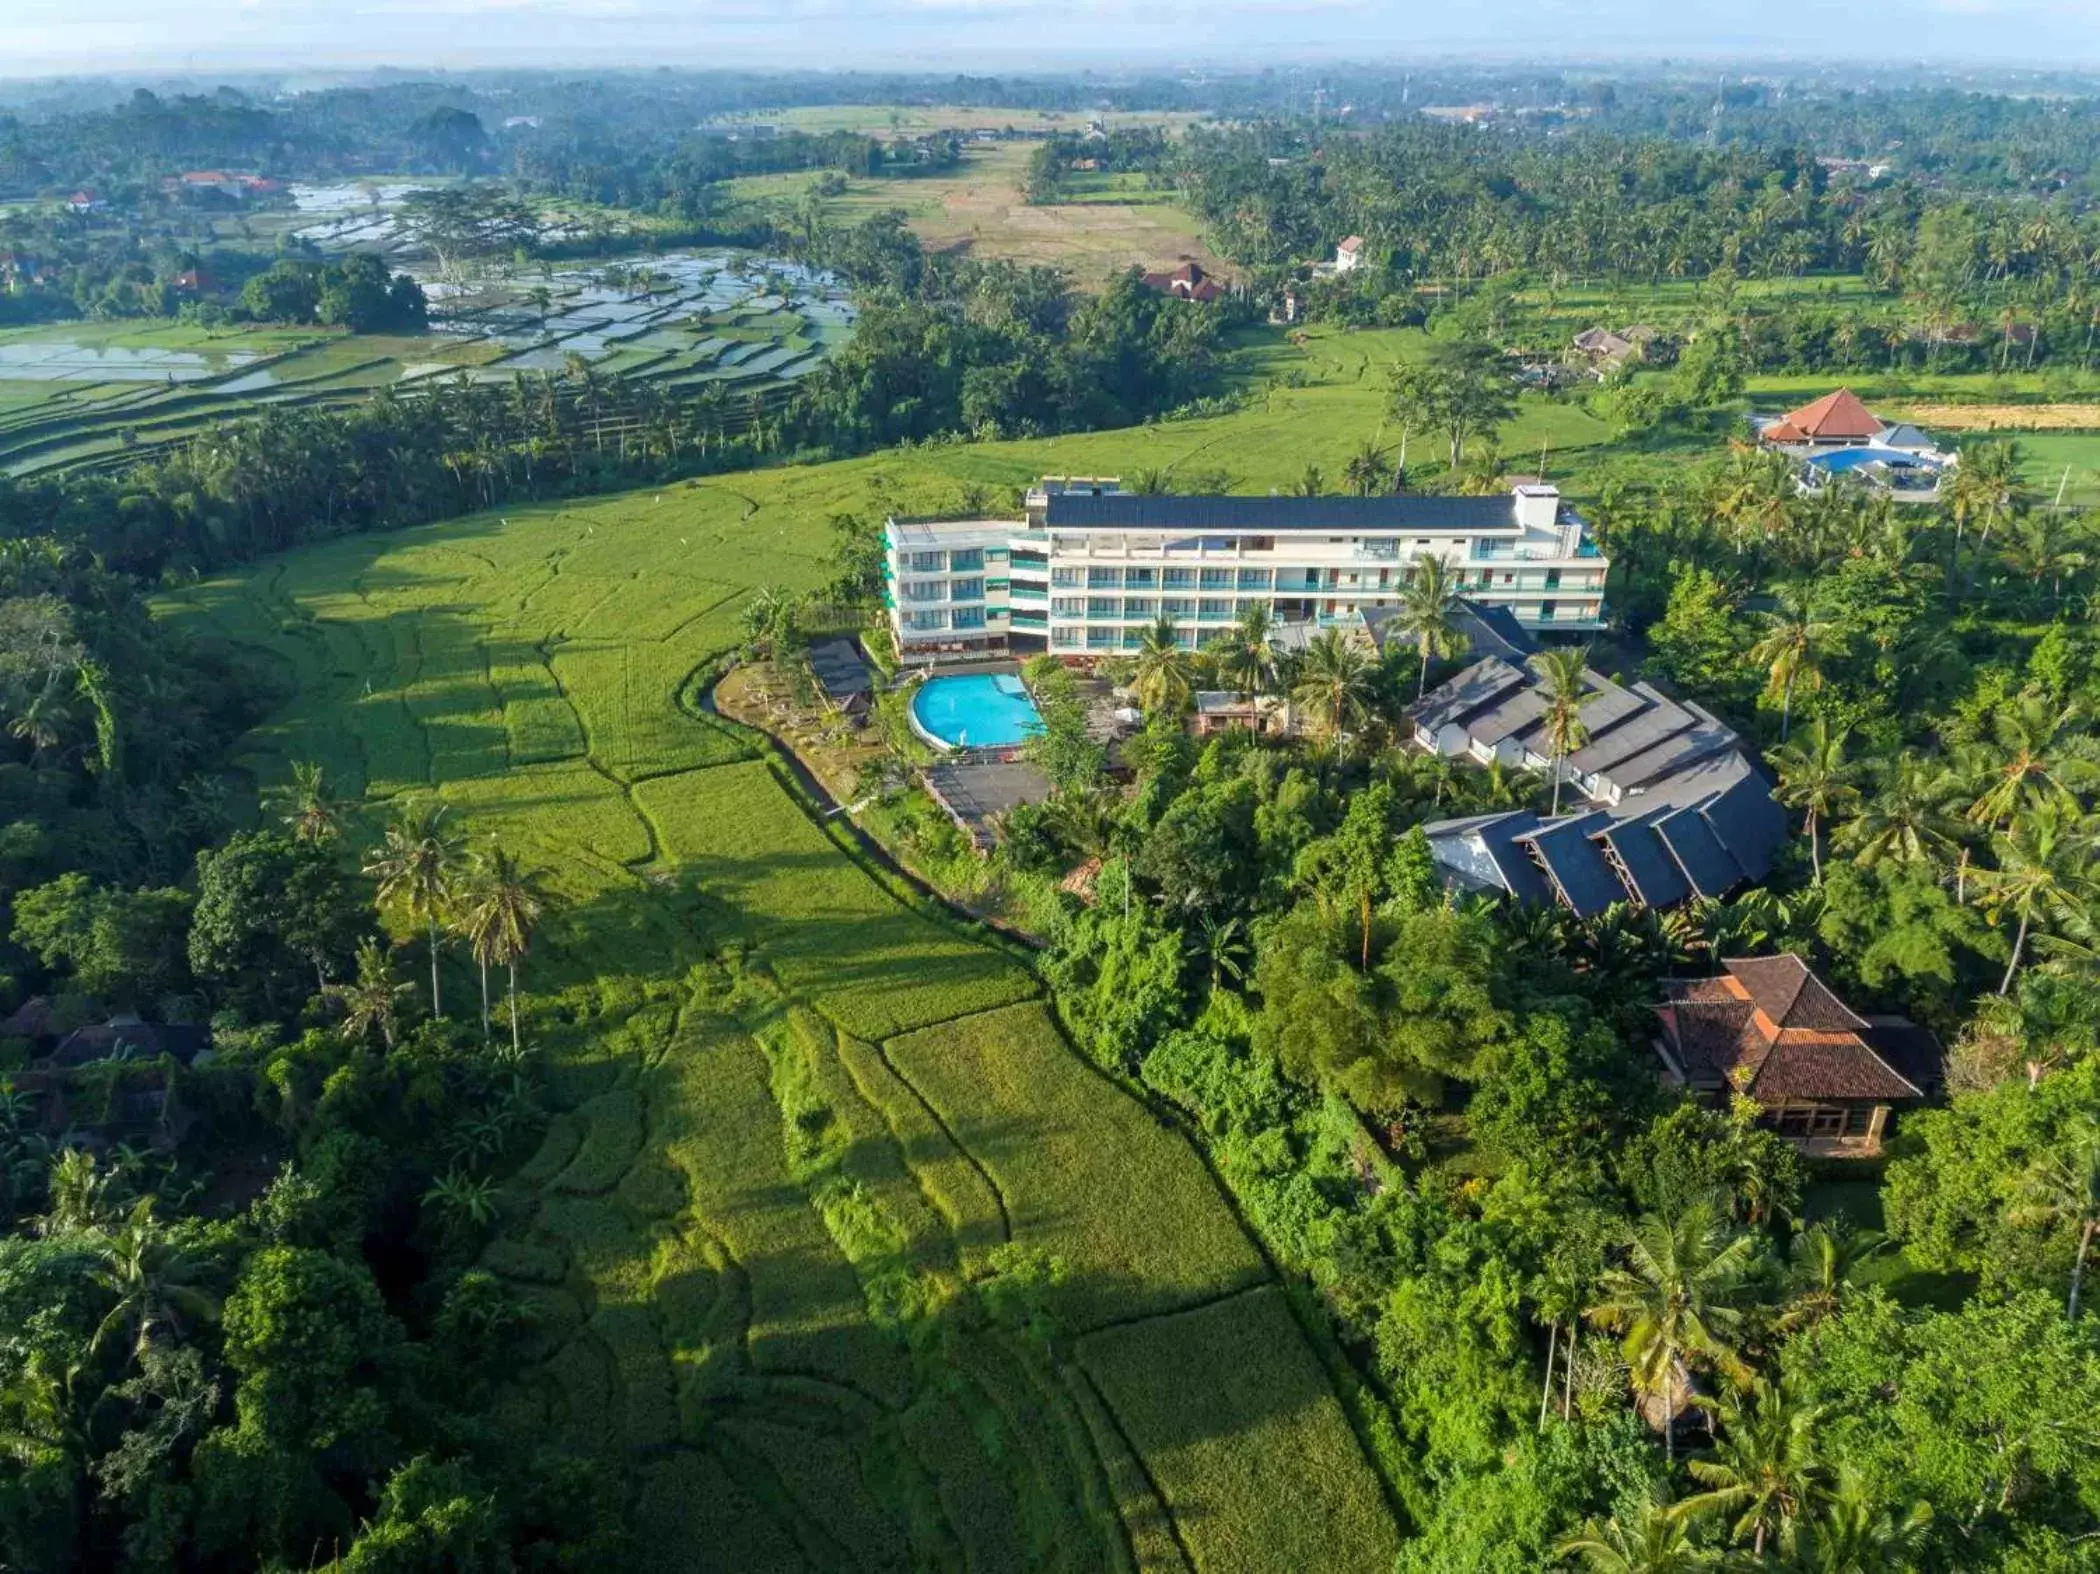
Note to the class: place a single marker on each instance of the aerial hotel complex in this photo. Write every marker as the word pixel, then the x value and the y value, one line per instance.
pixel 1090 566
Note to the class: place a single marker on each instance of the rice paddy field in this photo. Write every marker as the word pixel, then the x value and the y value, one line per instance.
pixel 843 1258
pixel 85 395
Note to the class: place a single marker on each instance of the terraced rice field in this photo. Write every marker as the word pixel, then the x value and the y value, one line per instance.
pixel 843 1258
pixel 77 395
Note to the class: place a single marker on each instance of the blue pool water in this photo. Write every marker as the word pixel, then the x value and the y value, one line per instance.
pixel 979 710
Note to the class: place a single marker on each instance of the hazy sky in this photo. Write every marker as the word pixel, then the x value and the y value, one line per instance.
pixel 45 36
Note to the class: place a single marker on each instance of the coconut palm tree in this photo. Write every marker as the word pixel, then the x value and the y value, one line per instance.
pixel 80 1195
pixel 1162 683
pixel 2043 549
pixel 1672 1303
pixel 2037 749
pixel 372 999
pixel 1429 613
pixel 1656 1541
pixel 1857 1535
pixel 44 722
pixel 307 806
pixel 2043 878
pixel 1223 947
pixel 1246 659
pixel 1792 650
pixel 1333 684
pixel 1564 686
pixel 1815 777
pixel 503 903
pixel 1909 820
pixel 152 1281
pixel 1765 1468
pixel 1985 490
pixel 1367 471
pixel 417 866
pixel 2064 1188
pixel 1822 1262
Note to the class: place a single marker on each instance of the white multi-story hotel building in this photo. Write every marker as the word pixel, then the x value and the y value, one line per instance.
pixel 1090 567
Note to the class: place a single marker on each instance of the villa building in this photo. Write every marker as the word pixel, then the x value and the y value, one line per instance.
pixel 1826 1078
pixel 1089 567
pixel 1663 806
pixel 1837 436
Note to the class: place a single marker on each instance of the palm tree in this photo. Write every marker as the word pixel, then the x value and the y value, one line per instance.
pixel 80 1195
pixel 44 722
pixel 1333 684
pixel 1162 683
pixel 373 999
pixel 1822 1262
pixel 1367 471
pixel 1222 945
pixel 1985 489
pixel 1429 613
pixel 1815 777
pixel 467 1202
pixel 1908 820
pixel 503 904
pixel 1564 686
pixel 2064 1188
pixel 2041 548
pixel 2037 749
pixel 1310 483
pixel 1657 1541
pixel 1246 659
pixel 418 867
pixel 1671 1302
pixel 1856 1535
pixel 1792 650
pixel 152 1281
pixel 2044 876
pixel 1765 1468
pixel 305 804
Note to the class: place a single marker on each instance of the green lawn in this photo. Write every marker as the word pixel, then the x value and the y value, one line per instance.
pixel 801 1123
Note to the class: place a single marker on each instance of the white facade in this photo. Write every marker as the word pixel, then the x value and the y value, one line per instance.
pixel 1090 567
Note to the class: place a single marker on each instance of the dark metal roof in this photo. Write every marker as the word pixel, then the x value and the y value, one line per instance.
pixel 1656 878
pixel 1519 873
pixel 1708 865
pixel 1578 866
pixel 1510 715
pixel 1478 686
pixel 1165 511
pixel 1672 755
pixel 1631 738
pixel 1606 706
pixel 1748 823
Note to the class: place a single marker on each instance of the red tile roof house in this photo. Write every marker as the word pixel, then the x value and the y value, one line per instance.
pixel 1348 254
pixel 1186 283
pixel 1826 1078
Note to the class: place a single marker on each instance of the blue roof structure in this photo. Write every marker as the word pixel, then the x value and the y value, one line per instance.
pixel 1709 866
pixel 1585 881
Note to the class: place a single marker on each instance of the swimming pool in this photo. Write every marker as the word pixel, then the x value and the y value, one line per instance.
pixel 977 710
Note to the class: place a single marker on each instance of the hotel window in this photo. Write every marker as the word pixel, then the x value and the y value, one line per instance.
pixel 924 622
pixel 1065 638
pixel 1068 606
pixel 1140 607
pixel 1218 578
pixel 1177 606
pixel 928 562
pixel 969 618
pixel 1179 579
pixel 966 561
pixel 1215 609
pixel 1553 579
pixel 1140 579
pixel 1546 610
pixel 922 590
pixel 1103 607
pixel 1252 579
pixel 966 590
pixel 1100 639
pixel 1068 578
pixel 1104 579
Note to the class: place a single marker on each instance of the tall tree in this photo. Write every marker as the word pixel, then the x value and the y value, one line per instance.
pixel 1673 1302
pixel 1765 1469
pixel 1816 778
pixel 503 905
pixel 1246 660
pixel 1333 684
pixel 1429 613
pixel 1564 686
pixel 2043 878
pixel 1162 683
pixel 418 868
pixel 2064 1188
pixel 1792 651
pixel 306 805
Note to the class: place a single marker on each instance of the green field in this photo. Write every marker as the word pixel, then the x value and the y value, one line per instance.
pixel 842 1257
